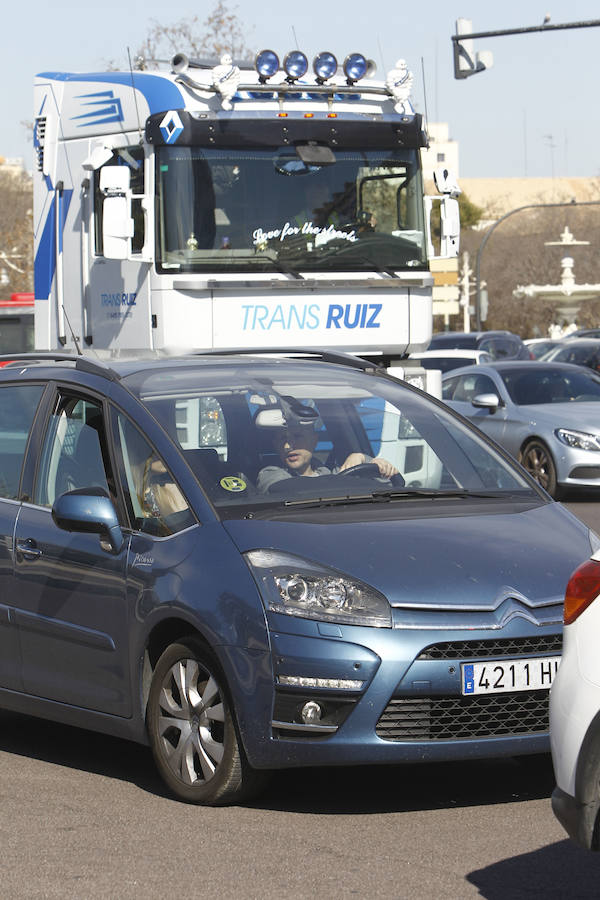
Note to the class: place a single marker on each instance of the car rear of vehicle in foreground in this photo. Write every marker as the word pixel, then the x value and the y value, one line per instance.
pixel 575 711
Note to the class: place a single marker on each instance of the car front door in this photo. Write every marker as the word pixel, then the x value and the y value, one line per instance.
pixel 464 390
pixel 18 405
pixel 70 599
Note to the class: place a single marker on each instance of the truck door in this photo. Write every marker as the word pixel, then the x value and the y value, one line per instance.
pixel 118 293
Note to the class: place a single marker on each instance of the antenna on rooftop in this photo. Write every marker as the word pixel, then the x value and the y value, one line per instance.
pixel 137 112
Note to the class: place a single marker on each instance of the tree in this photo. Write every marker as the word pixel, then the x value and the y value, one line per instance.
pixel 221 32
pixel 16 245
pixel 517 255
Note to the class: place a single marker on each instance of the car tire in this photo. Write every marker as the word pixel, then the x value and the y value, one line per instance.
pixel 192 730
pixel 537 459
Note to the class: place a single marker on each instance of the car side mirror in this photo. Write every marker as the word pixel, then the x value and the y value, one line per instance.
pixel 486 401
pixel 89 511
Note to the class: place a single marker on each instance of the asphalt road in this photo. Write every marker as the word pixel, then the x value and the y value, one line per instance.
pixel 85 816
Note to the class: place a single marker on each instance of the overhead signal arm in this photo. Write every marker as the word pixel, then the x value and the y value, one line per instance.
pixel 468 62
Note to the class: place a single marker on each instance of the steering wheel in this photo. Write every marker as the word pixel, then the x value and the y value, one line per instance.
pixel 368 470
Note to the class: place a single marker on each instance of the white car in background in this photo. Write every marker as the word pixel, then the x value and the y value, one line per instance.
pixel 575 710
pixel 446 360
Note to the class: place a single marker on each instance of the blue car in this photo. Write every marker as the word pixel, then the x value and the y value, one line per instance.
pixel 257 562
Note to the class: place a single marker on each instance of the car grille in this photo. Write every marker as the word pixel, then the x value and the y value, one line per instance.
pixel 525 646
pixel 461 718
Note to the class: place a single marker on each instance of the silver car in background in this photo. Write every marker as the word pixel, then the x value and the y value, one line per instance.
pixel 547 415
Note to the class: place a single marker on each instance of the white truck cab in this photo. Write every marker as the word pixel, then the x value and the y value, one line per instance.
pixel 213 206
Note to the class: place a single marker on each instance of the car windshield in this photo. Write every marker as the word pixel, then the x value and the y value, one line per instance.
pixel 448 341
pixel 251 435
pixel 531 385
pixel 265 210
pixel 584 354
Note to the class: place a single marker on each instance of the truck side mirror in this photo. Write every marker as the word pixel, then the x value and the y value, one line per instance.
pixel 450 227
pixel 117 223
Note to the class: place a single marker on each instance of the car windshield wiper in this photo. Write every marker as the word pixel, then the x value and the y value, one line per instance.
pixel 396 494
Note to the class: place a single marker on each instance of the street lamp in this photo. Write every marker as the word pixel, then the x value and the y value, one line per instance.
pixel 489 233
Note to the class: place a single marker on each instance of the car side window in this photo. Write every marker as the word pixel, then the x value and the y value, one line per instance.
pixel 448 388
pixel 18 405
pixel 156 504
pixel 75 453
pixel 470 386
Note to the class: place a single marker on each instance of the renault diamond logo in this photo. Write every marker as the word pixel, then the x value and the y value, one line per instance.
pixel 171 127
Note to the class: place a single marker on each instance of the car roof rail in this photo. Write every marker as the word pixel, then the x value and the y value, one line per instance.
pixel 332 356
pixel 82 363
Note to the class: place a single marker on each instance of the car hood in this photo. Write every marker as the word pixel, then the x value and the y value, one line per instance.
pixel 465 561
pixel 580 416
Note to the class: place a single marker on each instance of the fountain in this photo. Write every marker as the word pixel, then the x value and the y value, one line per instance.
pixel 568 293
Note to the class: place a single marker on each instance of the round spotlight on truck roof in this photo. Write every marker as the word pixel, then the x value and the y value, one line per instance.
pixel 295 64
pixel 355 67
pixel 266 64
pixel 324 66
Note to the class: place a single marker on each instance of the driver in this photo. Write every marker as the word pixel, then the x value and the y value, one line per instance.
pixel 296 444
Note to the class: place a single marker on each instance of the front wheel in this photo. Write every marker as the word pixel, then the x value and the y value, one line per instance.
pixel 192 733
pixel 537 459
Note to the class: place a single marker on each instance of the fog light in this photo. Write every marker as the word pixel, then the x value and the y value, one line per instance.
pixel 295 65
pixel 338 684
pixel 324 66
pixel 311 712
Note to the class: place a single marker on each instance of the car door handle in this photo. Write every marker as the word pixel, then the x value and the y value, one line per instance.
pixel 27 549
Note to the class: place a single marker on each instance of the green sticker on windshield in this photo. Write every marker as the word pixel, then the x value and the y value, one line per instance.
pixel 233 483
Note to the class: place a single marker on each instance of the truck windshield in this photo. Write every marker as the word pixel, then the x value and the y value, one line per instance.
pixel 265 210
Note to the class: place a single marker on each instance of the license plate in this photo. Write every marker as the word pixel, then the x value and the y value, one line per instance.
pixel 495 677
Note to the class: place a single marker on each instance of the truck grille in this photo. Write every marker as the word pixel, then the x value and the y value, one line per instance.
pixel 461 718
pixel 520 646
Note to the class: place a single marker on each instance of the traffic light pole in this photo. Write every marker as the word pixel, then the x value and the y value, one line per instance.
pixel 591 23
pixel 467 62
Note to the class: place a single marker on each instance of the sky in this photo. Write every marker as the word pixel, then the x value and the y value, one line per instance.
pixel 534 113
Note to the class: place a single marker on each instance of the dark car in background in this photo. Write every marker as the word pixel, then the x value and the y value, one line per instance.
pixel 540 346
pixel 583 333
pixel 157 586
pixel 547 415
pixel 578 351
pixel 499 344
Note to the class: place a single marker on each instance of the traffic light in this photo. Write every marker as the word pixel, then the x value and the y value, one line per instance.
pixel 466 60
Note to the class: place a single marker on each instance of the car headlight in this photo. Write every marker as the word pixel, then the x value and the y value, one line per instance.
pixel 578 439
pixel 298 587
